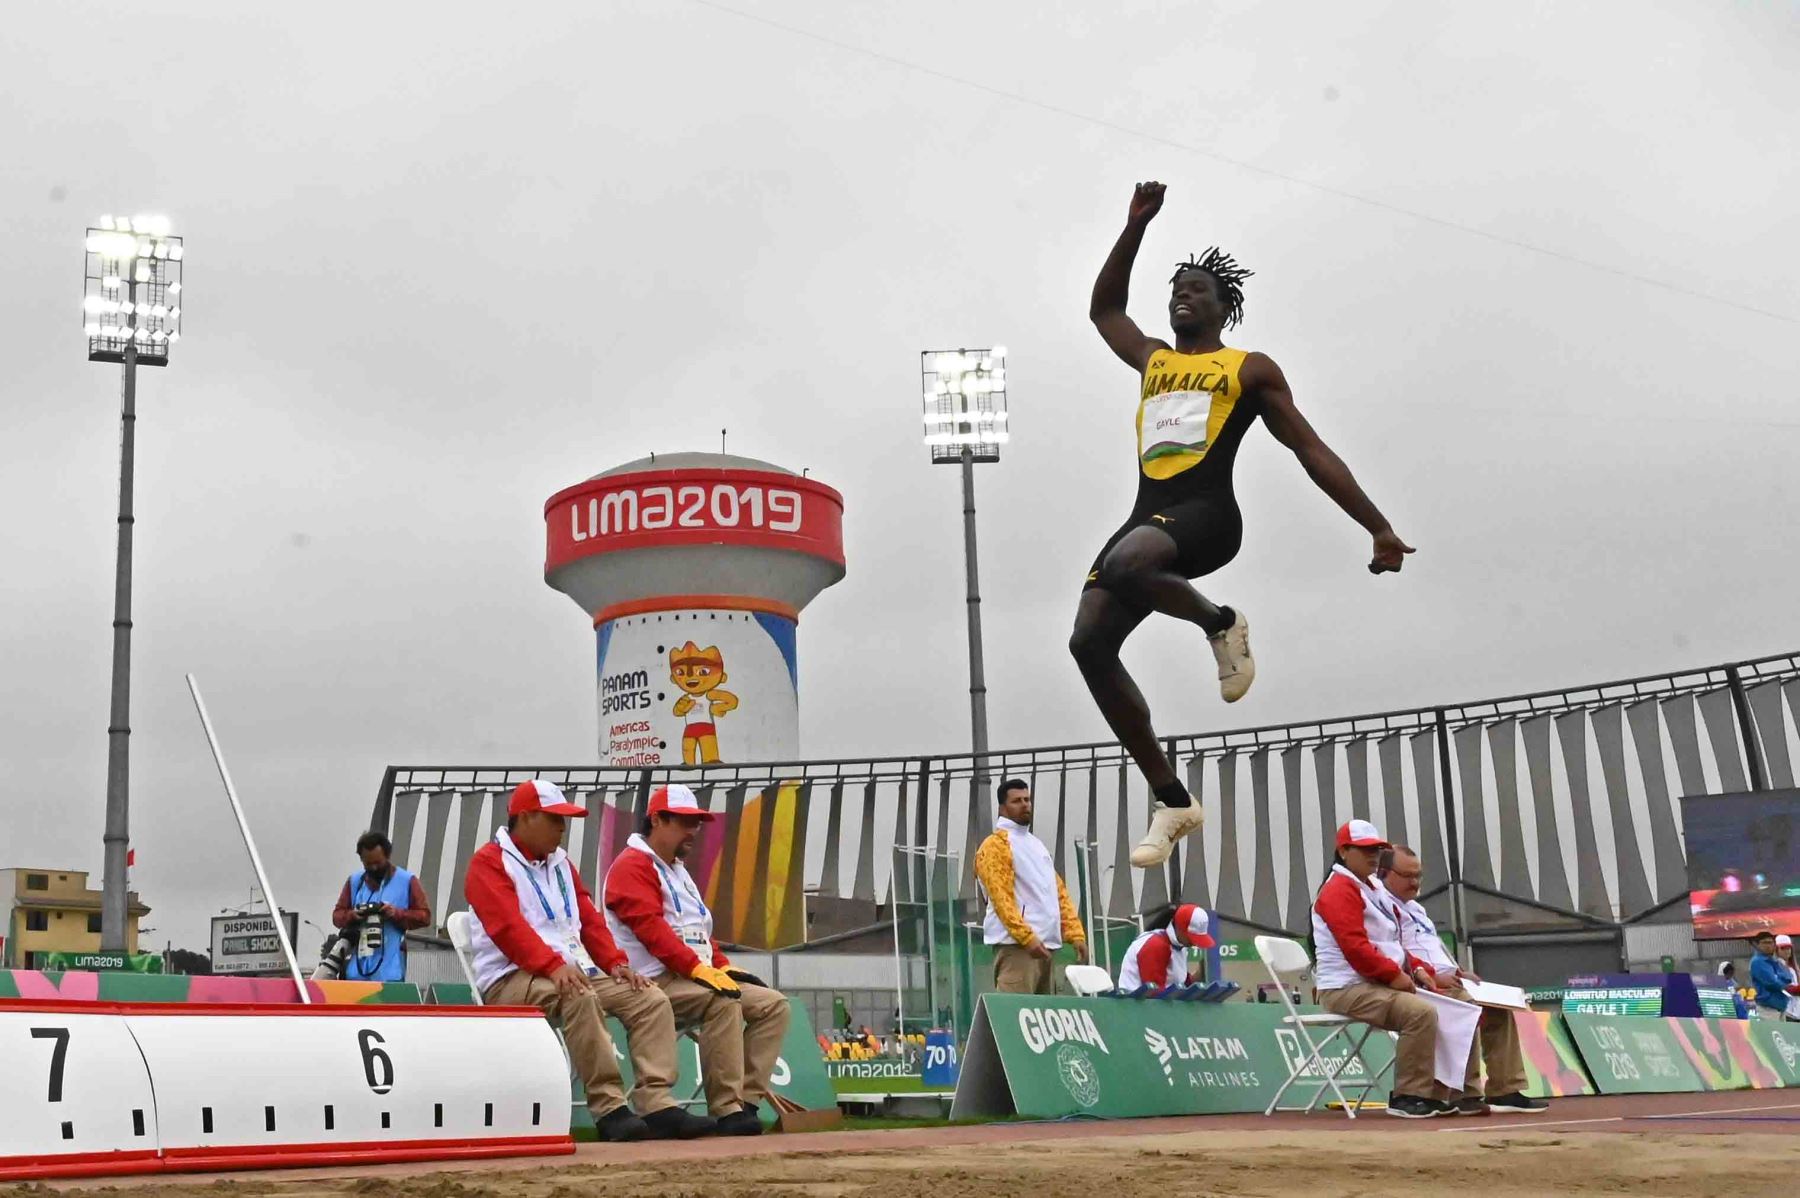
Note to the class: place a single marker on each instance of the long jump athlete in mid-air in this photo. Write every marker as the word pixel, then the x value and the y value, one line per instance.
pixel 1197 400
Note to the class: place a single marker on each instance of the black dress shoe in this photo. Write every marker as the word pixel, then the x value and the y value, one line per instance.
pixel 676 1123
pixel 620 1126
pixel 740 1123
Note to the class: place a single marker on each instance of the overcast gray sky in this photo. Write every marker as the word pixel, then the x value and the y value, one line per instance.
pixel 1529 268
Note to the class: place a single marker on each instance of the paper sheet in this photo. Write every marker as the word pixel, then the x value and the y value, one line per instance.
pixel 1457 1021
pixel 1496 994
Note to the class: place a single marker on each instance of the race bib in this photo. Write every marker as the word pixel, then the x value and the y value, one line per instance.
pixel 1175 423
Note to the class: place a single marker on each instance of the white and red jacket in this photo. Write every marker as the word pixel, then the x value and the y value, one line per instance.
pixel 528 910
pixel 1419 936
pixel 1356 933
pixel 1155 959
pixel 657 915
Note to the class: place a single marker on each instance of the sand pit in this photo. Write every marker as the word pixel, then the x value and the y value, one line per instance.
pixel 1503 1161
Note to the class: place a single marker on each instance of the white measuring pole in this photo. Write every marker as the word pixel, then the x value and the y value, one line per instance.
pixel 237 809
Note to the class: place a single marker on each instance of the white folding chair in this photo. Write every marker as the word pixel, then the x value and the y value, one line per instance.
pixel 458 928
pixel 1088 980
pixel 1287 963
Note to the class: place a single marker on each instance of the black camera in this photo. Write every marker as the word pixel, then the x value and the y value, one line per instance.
pixel 362 938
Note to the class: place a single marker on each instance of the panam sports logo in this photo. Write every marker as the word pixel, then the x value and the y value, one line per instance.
pixel 1300 1062
pixel 1043 1026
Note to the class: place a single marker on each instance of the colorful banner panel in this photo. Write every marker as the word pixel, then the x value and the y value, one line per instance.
pixel 1552 1064
pixel 1721 1052
pixel 178 987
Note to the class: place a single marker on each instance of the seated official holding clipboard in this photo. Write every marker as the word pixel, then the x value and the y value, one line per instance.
pixel 1400 872
pixel 659 918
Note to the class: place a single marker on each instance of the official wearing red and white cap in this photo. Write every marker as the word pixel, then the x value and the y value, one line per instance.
pixel 1364 971
pixel 1160 956
pixel 538 940
pixel 657 915
pixel 536 794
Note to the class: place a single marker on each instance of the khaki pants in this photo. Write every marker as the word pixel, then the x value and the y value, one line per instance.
pixel 1391 1010
pixel 649 1033
pixel 740 1039
pixel 1018 972
pixel 1498 1047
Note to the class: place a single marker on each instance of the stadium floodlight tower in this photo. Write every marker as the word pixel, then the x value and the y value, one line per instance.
pixel 131 311
pixel 965 423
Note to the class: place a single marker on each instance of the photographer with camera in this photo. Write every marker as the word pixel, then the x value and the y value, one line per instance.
pixel 376 909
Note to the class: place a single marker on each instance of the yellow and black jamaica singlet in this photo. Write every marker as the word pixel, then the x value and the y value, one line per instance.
pixel 1192 415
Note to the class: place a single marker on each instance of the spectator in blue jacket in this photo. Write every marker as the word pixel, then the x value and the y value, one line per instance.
pixel 1728 971
pixel 1773 980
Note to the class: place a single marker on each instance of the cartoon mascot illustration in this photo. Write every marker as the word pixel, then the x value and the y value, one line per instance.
pixel 699 673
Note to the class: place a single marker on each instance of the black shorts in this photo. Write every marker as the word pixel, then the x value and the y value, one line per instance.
pixel 1206 527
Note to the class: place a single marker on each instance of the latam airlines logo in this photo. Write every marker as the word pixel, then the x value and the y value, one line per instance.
pixel 721 505
pixel 1168 1050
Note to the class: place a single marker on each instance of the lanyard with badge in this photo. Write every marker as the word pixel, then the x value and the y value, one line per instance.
pixel 693 933
pixel 573 949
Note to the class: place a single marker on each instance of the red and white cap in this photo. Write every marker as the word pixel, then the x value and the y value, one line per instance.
pixel 1784 941
pixel 677 799
pixel 539 795
pixel 1362 834
pixel 1193 926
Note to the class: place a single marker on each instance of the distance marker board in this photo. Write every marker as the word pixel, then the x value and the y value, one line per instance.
pixel 112 1088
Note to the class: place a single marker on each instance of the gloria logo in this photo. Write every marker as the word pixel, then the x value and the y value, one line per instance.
pixel 1079 1077
pixel 1041 1027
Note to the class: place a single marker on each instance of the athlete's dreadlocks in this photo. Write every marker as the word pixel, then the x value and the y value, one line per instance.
pixel 1227 273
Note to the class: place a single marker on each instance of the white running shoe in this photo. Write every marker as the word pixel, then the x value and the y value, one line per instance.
pixel 1167 825
pixel 1231 649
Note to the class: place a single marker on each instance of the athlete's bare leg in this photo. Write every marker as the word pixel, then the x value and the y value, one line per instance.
pixel 1102 622
pixel 1139 569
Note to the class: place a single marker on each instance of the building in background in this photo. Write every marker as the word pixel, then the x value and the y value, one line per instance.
pixel 694 568
pixel 55 911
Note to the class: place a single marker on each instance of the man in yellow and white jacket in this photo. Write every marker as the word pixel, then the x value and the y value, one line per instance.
pixel 1029 913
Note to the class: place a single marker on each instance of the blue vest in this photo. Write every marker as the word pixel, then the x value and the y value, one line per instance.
pixel 390 964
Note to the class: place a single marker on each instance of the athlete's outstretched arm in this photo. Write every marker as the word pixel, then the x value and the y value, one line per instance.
pixel 1113 288
pixel 1264 380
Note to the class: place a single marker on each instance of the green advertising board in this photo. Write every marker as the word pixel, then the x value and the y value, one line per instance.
pixel 1633 1054
pixel 1637 1055
pixel 1051 1058
pixel 799 1071
pixel 1778 1046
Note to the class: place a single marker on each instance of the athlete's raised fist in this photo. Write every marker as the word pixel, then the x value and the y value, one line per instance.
pixel 1146 201
pixel 1390 553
